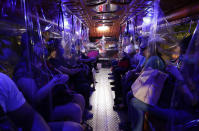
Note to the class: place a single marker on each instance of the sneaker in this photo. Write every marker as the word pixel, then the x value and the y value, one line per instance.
pixel 86 127
pixel 89 107
pixel 111 78
pixel 113 88
pixel 112 83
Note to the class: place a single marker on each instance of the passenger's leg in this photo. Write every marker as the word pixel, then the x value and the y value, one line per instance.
pixel 65 126
pixel 71 126
pixel 125 89
pixel 70 111
pixel 177 116
pixel 138 109
pixel 84 89
pixel 173 116
pixel 79 99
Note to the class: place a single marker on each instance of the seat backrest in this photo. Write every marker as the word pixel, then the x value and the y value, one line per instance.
pixel 2 114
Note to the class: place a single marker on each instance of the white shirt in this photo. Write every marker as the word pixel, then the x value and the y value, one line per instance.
pixel 11 98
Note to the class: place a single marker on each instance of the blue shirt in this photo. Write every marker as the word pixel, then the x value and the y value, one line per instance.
pixel 155 62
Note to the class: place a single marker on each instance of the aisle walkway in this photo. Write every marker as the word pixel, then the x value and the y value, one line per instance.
pixel 105 119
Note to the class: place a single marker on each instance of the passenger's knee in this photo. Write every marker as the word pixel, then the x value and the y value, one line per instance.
pixel 76 111
pixel 76 108
pixel 72 126
pixel 79 97
pixel 71 111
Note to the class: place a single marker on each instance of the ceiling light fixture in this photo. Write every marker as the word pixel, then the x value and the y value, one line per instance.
pixel 103 28
pixel 147 20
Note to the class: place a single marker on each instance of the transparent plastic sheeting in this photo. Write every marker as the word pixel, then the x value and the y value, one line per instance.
pixel 191 61
pixel 72 34
pixel 153 28
pixel 159 32
pixel 7 5
pixel 66 43
pixel 29 27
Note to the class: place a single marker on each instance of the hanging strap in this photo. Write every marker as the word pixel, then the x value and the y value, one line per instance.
pixel 190 27
pixel 73 24
pixel 61 16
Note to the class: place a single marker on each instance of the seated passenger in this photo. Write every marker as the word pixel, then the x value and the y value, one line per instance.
pixel 77 75
pixel 118 71
pixel 34 80
pixel 132 75
pixel 91 62
pixel 161 110
pixel 141 58
pixel 22 114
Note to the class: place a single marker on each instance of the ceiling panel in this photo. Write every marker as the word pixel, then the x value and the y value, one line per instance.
pixel 109 12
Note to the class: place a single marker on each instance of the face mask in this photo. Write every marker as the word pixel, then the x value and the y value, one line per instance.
pixel 83 50
pixel 125 50
pixel 136 47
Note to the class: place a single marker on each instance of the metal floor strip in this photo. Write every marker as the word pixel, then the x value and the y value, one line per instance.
pixel 105 119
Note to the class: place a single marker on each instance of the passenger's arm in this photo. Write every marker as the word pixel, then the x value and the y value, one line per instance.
pixel 33 93
pixel 88 60
pixel 28 119
pixel 43 92
pixel 14 104
pixel 68 71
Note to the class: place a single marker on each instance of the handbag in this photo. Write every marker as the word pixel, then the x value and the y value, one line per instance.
pixel 148 86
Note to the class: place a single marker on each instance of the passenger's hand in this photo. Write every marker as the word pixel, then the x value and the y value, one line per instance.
pixel 60 79
pixel 75 71
pixel 174 71
pixel 130 74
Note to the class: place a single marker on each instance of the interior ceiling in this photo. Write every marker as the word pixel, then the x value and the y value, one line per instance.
pixel 105 12
pixel 114 12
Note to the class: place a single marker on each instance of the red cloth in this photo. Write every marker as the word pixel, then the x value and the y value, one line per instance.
pixel 93 54
pixel 124 64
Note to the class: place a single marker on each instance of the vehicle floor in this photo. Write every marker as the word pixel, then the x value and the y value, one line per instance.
pixel 102 100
